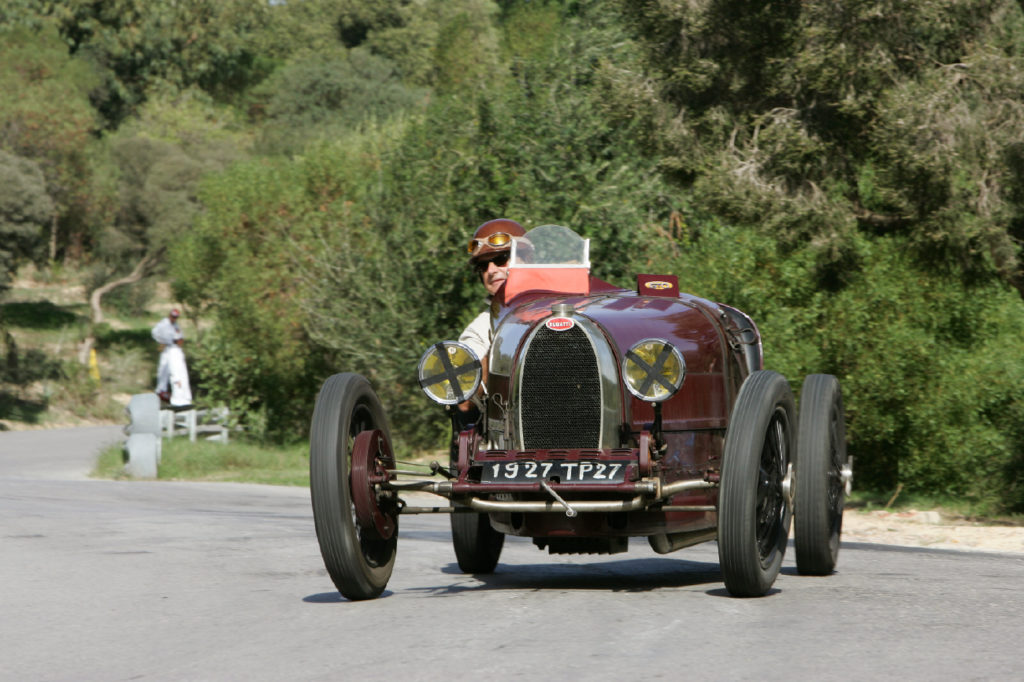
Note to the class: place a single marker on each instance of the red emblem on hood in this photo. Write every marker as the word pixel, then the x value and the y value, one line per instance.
pixel 559 324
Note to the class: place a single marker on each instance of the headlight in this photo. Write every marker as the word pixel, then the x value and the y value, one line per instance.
pixel 449 372
pixel 653 370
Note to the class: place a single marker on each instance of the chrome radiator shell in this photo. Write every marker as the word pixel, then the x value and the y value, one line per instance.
pixel 565 387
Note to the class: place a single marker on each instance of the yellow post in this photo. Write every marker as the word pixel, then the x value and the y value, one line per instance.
pixel 94 365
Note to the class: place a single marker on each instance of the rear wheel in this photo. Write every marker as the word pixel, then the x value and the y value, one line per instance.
pixel 477 544
pixel 820 486
pixel 358 546
pixel 754 508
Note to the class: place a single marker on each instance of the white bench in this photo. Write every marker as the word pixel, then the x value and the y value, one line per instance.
pixel 211 424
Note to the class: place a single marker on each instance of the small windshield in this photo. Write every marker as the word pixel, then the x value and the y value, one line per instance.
pixel 551 259
pixel 550 246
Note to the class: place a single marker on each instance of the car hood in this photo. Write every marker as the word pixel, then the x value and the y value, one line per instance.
pixel 688 322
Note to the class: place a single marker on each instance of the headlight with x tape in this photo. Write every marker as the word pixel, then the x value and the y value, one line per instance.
pixel 449 372
pixel 653 370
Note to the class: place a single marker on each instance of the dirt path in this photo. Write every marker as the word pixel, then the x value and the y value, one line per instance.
pixel 929 529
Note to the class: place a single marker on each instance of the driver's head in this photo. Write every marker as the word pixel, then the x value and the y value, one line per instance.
pixel 489 250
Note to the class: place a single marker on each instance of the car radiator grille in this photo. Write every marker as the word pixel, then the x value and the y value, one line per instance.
pixel 560 400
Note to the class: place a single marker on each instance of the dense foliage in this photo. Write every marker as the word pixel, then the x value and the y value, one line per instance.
pixel 25 210
pixel 850 173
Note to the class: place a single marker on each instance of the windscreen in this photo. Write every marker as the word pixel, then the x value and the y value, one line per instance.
pixel 549 258
pixel 551 246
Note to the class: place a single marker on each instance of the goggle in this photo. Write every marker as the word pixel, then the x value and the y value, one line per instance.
pixel 501 260
pixel 497 240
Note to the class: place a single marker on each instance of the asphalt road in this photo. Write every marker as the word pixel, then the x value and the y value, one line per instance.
pixel 104 580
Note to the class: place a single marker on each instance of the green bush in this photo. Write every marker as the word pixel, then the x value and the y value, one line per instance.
pixel 236 266
pixel 932 370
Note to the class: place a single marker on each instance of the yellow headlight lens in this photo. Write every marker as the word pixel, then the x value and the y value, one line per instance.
pixel 653 370
pixel 449 372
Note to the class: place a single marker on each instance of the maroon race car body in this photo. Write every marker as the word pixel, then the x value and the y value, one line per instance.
pixel 606 413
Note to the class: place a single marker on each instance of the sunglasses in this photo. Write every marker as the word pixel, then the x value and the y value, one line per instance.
pixel 501 260
pixel 496 241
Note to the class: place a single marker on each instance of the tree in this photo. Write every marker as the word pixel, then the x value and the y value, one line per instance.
pixel 61 139
pixel 160 158
pixel 855 168
pixel 142 47
pixel 318 26
pixel 25 211
pixel 818 121
pixel 237 265
pixel 432 43
pixel 319 96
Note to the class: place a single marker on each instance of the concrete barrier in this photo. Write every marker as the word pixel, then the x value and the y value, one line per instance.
pixel 142 448
pixel 143 414
pixel 142 455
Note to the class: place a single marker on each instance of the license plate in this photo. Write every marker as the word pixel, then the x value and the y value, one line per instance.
pixel 528 471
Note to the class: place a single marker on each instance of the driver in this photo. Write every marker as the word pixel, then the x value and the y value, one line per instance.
pixel 489 251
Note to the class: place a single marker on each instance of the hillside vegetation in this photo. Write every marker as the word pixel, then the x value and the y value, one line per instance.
pixel 306 175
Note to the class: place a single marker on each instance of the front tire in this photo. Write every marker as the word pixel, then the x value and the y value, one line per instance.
pixel 820 487
pixel 753 508
pixel 357 558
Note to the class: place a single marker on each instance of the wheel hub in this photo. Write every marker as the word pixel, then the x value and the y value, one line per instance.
pixel 375 510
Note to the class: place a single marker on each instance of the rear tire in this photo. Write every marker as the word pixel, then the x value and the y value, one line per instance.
pixel 753 509
pixel 820 488
pixel 357 558
pixel 477 544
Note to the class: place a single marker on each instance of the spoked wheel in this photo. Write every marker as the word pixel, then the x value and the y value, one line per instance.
pixel 820 479
pixel 753 507
pixel 356 524
pixel 477 544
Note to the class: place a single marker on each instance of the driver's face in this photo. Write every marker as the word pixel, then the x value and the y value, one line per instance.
pixel 494 276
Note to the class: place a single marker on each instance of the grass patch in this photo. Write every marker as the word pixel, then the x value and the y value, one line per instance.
pixel 240 462
pixel 237 462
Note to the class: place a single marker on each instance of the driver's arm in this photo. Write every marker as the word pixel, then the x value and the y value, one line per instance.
pixel 477 337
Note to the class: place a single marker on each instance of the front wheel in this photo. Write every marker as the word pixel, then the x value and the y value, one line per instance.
pixel 754 508
pixel 358 545
pixel 820 480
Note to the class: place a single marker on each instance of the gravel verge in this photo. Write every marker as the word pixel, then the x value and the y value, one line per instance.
pixel 929 529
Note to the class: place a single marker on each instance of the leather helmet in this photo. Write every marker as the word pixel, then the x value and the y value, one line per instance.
pixel 494 236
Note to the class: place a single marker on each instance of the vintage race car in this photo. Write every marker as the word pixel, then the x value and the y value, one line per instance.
pixel 606 413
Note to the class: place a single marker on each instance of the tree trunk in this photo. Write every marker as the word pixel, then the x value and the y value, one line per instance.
pixel 96 300
pixel 53 238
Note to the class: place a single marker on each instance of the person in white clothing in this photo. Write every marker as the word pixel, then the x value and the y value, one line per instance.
pixel 168 335
pixel 489 251
pixel 181 390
